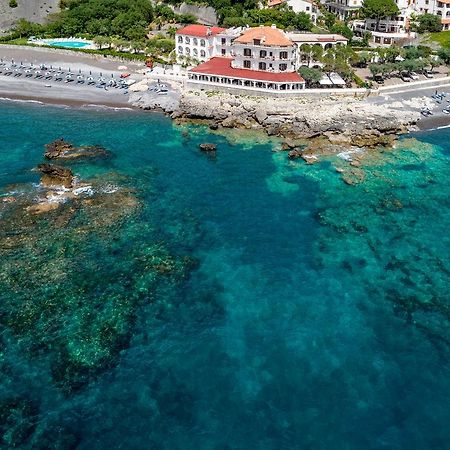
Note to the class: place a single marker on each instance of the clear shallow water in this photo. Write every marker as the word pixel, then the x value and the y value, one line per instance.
pixel 314 315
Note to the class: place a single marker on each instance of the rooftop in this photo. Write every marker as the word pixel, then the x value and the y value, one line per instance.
pixel 269 36
pixel 200 30
pixel 319 38
pixel 222 67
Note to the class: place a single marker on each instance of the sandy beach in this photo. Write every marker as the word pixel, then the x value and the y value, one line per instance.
pixel 62 92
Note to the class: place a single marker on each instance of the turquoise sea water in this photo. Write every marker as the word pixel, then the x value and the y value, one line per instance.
pixel 288 310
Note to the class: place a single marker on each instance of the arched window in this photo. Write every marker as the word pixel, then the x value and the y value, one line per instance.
pixel 202 43
pixel 203 53
pixel 195 41
pixel 283 67
pixel 187 40
pixel 262 53
pixel 195 52
pixel 180 39
pixel 188 50
pixel 180 49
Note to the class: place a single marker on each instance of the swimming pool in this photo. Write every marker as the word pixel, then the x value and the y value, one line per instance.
pixel 69 44
pixel 61 42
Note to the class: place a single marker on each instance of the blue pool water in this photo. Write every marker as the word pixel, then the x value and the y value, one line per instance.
pixel 69 44
pixel 249 302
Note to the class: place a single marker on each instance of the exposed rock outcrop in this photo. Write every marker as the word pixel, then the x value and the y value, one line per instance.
pixel 341 121
pixel 63 150
pixel 55 176
pixel 209 148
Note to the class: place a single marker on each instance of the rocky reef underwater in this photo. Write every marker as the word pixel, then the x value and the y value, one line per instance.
pixel 71 284
pixel 389 229
pixel 178 286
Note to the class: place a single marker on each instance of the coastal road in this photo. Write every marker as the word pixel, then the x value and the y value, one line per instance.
pixel 416 99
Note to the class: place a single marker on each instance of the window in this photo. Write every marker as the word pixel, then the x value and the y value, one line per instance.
pixel 247 52
pixel 283 55
pixel 262 53
pixel 224 41
pixel 202 42
pixel 283 67
pixel 195 41
pixel 195 52
pixel 262 66
pixel 307 8
pixel 256 41
pixel 202 53
pixel 187 40
pixel 247 64
pixel 180 49
pixel 188 50
pixel 180 38
pixel 223 52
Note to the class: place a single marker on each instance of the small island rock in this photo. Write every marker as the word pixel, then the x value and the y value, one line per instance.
pixel 55 176
pixel 208 147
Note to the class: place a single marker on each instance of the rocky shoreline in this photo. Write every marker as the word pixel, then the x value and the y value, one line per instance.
pixel 337 121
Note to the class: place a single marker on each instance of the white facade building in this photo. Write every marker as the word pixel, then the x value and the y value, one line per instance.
pixel 344 9
pixel 261 60
pixel 264 48
pixel 306 6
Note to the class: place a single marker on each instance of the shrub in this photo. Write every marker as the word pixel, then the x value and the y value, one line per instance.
pixel 13 3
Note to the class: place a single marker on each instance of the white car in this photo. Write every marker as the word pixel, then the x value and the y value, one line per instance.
pixel 413 75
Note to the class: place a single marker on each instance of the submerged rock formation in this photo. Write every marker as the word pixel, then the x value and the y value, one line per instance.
pixel 63 150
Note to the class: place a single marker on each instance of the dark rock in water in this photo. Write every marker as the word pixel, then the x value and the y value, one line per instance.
pixel 288 144
pixel 214 126
pixel 295 154
pixel 208 147
pixel 55 175
pixel 60 149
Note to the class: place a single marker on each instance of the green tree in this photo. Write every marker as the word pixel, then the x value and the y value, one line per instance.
pixel 378 10
pixel 375 69
pixel 329 20
pixel 427 22
pixel 343 29
pixel 444 54
pixel 100 42
pixel 310 75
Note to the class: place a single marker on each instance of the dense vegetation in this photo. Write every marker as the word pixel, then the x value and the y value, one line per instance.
pixel 427 22
pixel 379 10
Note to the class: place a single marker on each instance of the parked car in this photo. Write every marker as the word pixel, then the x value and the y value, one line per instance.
pixel 428 74
pixel 413 76
pixel 379 79
pixel 404 76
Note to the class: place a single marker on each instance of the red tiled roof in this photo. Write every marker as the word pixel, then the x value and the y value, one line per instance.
pixel 275 2
pixel 200 30
pixel 222 67
pixel 267 35
pixel 445 21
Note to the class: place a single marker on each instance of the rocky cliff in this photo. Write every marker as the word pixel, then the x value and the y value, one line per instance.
pixel 32 10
